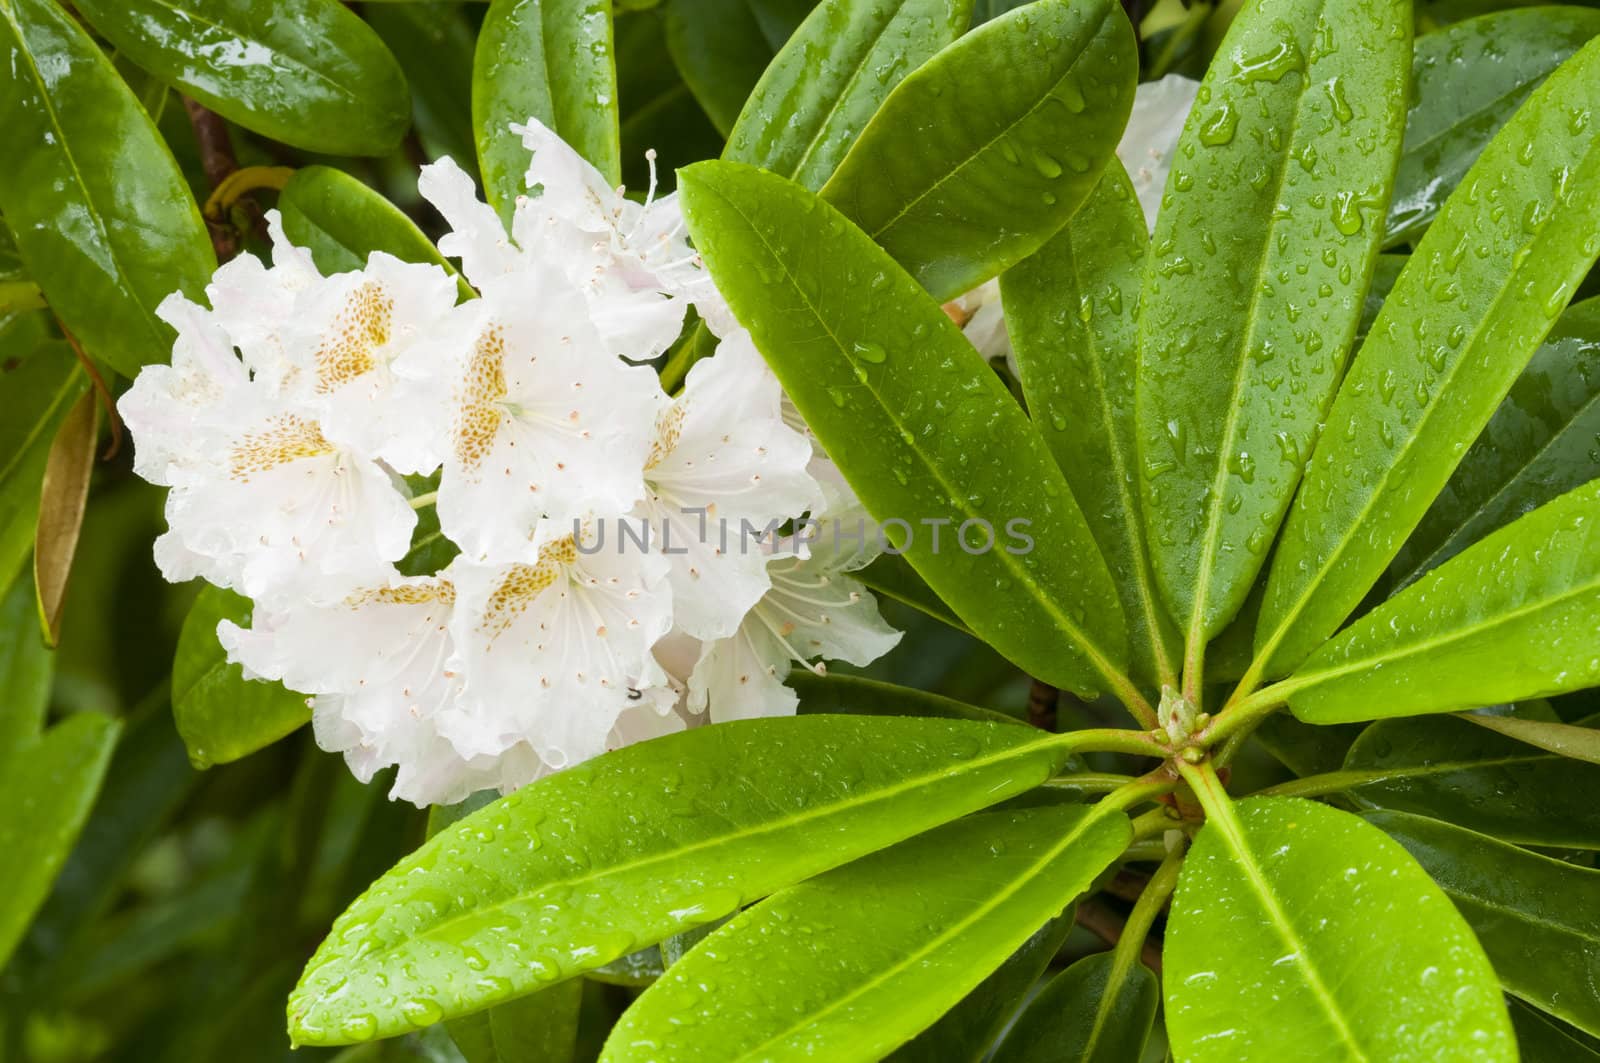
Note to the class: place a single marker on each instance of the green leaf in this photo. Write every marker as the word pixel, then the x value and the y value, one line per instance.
pixel 658 110
pixel 221 715
pixel 856 696
pixel 1245 326
pixel 851 964
pixel 873 364
pixel 1259 963
pixel 1071 311
pixel 1510 618
pixel 722 47
pixel 1481 291
pixel 1303 748
pixel 102 217
pixel 47 785
pixel 341 221
pixel 1537 918
pixel 1539 444
pixel 551 60
pixel 1562 739
pixel 1466 81
pixel 1384 274
pixel 980 155
pixel 539 1028
pixel 1446 768
pixel 305 72
pixel 617 853
pixel 891 576
pixel 1085 1015
pixel 26 667
pixel 433 43
pixel 966 1032
pixel 1543 1040
pixel 825 84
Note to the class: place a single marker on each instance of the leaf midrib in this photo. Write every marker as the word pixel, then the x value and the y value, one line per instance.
pixel 1084 645
pixel 1279 920
pixel 1206 573
pixel 912 783
pixel 1309 680
pixel 1466 355
pixel 975 915
pixel 952 172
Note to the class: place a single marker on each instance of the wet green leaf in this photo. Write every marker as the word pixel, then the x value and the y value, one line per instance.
pixel 1539 444
pixel 981 154
pixel 1537 918
pixel 851 964
pixel 856 696
pixel 539 1028
pixel 1449 769
pixel 891 576
pixel 1467 79
pixel 831 76
pixel 876 367
pixel 1303 748
pixel 1510 618
pixel 1245 326
pixel 41 383
pixel 585 866
pixel 1484 286
pixel 1543 1040
pixel 1071 311
pixel 721 47
pixel 966 1032
pixel 47 785
pixel 1259 963
pixel 1086 1014
pixel 221 715
pixel 103 219
pixel 551 60
pixel 342 221
pixel 305 72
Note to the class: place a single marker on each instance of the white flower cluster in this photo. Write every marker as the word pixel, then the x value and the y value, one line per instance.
pixel 306 420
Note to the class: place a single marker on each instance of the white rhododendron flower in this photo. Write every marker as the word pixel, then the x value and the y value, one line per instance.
pixel 813 610
pixel 589 526
pixel 1160 109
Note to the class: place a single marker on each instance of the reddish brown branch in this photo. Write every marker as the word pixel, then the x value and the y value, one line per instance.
pixel 99 384
pixel 218 161
pixel 1042 702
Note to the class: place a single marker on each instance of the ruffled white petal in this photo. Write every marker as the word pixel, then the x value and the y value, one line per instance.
pixel 1160 109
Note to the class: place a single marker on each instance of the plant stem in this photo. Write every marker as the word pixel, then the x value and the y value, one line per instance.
pixel 219 162
pixel 1042 701
pixel 1244 714
pixel 1121 686
pixel 424 501
pixel 1213 796
pixel 1145 788
pixel 1089 782
pixel 1137 929
pixel 1110 740
pixel 1154 822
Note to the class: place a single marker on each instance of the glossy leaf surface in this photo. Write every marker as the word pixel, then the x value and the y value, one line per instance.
pixel 306 72
pixel 857 696
pixel 1482 289
pixel 47 785
pixel 551 60
pixel 1539 444
pixel 1467 79
pixel 1453 770
pixel 342 221
pixel 1262 960
pixel 1086 1015
pixel 1510 618
pixel 967 1031
pixel 980 155
pixel 917 422
pixel 831 76
pixel 102 217
pixel 854 962
pixel 1071 312
pixel 1537 918
pixel 617 853
pixel 220 714
pixel 722 47
pixel 26 667
pixel 1245 326
pixel 1562 739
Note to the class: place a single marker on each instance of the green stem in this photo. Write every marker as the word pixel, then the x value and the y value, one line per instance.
pixel 1140 790
pixel 1213 796
pixel 1241 715
pixel 423 501
pixel 1110 740
pixel 1144 913
pixel 1125 691
pixel 1089 782
pixel 1154 822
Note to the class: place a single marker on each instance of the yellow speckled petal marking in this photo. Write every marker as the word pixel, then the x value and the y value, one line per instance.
pixel 479 415
pixel 285 438
pixel 669 427
pixel 350 346
pixel 407 594
pixel 524 583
